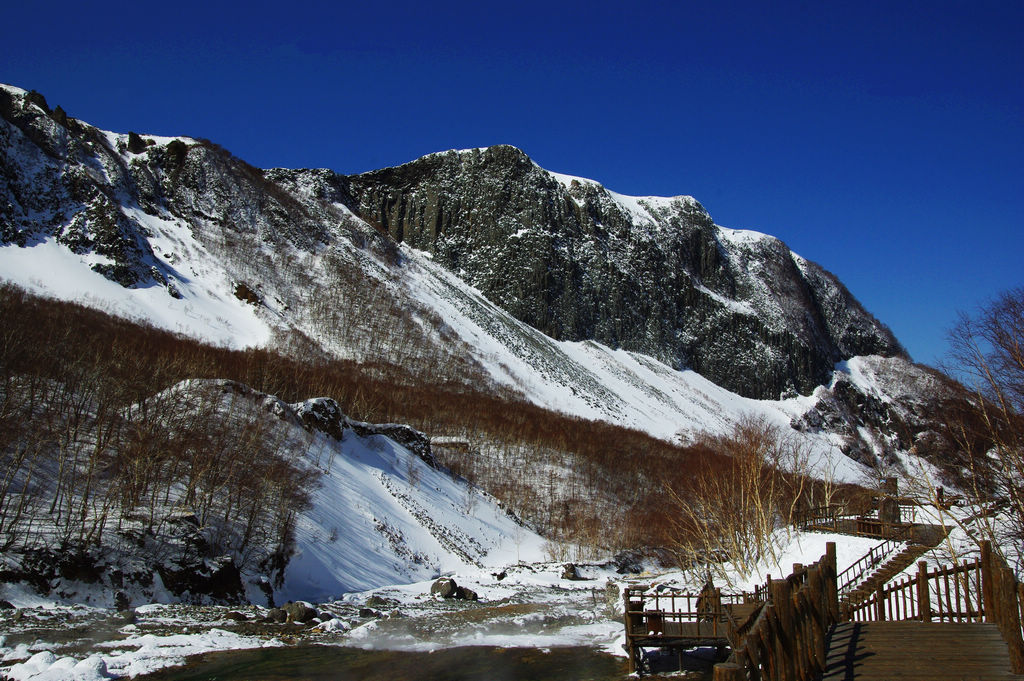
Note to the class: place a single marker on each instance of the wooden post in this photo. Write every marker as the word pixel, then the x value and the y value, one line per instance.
pixel 785 648
pixel 753 656
pixel 818 615
pixel 1006 594
pixel 718 619
pixel 924 600
pixel 727 671
pixel 629 640
pixel 831 585
pixel 880 603
pixel 773 645
pixel 987 581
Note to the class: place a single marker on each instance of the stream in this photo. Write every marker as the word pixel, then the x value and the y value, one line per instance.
pixel 336 663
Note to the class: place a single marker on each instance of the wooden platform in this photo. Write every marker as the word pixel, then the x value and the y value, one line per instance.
pixel 916 651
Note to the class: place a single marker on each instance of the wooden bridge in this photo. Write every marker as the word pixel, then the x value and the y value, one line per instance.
pixel 960 622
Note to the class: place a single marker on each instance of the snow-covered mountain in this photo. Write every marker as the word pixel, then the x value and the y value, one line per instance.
pixel 477 267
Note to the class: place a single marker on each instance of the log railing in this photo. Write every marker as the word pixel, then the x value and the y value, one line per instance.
pixel 662 616
pixel 787 641
pixel 825 517
pixel 1004 597
pixel 837 519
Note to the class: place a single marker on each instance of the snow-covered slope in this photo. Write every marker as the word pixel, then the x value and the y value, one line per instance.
pixel 382 515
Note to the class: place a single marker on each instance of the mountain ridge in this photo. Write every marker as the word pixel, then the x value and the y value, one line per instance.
pixel 223 250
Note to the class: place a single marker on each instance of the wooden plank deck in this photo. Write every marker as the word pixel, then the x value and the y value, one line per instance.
pixel 915 651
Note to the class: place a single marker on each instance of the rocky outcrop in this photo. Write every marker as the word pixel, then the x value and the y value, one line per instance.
pixel 652 275
pixel 879 407
pixel 325 415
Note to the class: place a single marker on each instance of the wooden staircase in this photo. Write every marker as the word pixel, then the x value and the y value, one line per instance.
pixel 923 542
pixel 889 569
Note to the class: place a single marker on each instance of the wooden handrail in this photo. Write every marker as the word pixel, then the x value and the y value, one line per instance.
pixel 852 576
pixel 787 640
pixel 945 594
pixel 1003 597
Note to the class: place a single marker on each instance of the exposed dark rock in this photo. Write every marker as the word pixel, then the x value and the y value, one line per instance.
pixel 464 594
pixel 407 436
pixel 136 144
pixel 245 293
pixel 236 616
pixel 381 602
pixel 6 605
pixel 299 612
pixel 277 615
pixel 218 579
pixel 325 415
pixel 445 587
pixel 60 116
pixel 122 601
pixel 33 97
pixel 569 571
pixel 175 153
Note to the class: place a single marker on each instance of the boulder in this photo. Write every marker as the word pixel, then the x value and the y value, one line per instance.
pixel 569 571
pixel 445 587
pixel 464 594
pixel 299 611
pixel 380 602
pixel 122 601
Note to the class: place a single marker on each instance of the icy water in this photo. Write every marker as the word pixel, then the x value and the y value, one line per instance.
pixel 331 663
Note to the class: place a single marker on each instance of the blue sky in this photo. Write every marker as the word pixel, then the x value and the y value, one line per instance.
pixel 882 140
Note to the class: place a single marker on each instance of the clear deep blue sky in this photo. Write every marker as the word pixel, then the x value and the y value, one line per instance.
pixel 882 140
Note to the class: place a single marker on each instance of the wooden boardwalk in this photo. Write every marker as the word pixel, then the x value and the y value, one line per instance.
pixel 916 651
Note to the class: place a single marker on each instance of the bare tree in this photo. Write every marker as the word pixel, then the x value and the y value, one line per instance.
pixel 983 419
pixel 739 512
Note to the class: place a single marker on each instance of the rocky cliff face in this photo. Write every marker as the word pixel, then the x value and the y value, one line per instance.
pixel 653 275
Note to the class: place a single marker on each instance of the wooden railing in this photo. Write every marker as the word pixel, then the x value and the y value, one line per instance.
pixel 946 594
pixel 658 615
pixel 856 573
pixel 825 517
pixel 662 616
pixel 788 639
pixel 836 518
pixel 982 590
pixel 1004 597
